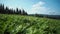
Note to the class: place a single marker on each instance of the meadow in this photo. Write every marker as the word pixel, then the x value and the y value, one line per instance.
pixel 22 24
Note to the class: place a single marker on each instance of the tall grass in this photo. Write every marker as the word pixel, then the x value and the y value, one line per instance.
pixel 19 24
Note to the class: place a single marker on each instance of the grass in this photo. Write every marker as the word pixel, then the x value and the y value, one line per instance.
pixel 19 24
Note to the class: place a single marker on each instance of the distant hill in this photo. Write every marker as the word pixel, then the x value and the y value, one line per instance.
pixel 46 15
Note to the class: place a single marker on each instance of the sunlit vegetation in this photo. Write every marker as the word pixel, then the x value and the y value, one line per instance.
pixel 19 24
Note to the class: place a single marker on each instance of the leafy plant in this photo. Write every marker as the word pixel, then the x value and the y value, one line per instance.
pixel 19 24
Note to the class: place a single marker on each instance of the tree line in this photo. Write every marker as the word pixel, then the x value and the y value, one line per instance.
pixel 6 10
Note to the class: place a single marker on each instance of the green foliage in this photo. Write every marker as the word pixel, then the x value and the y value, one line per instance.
pixel 19 24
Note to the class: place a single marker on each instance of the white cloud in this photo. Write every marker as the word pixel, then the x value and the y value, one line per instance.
pixel 39 4
pixel 41 9
pixel 38 7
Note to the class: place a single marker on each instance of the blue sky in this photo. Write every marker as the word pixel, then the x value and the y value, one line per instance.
pixel 51 7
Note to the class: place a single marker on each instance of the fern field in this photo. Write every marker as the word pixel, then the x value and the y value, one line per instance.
pixel 19 24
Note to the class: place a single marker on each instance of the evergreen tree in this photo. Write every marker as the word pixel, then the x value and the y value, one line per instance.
pixel 11 11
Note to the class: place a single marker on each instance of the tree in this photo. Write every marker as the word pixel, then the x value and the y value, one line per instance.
pixel 1 8
pixel 19 11
pixel 11 11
